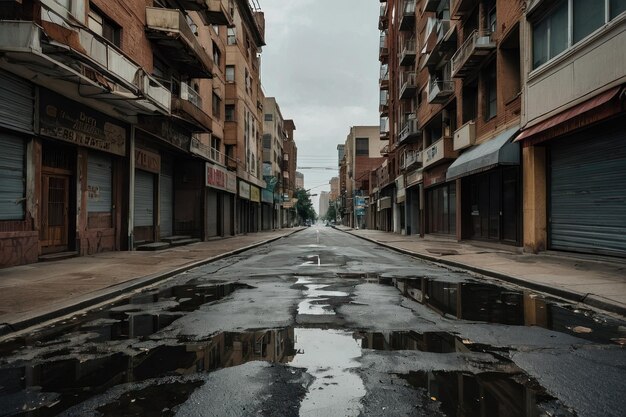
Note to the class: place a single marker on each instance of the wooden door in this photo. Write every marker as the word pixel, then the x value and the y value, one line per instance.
pixel 55 208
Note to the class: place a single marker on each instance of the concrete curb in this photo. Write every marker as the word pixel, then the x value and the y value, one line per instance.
pixel 589 299
pixel 109 293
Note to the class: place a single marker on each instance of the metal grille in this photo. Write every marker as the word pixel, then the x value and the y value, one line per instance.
pixel 54 157
pixel 56 201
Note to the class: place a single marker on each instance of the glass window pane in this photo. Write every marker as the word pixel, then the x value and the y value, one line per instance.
pixel 558 30
pixel 540 43
pixel 617 7
pixel 588 16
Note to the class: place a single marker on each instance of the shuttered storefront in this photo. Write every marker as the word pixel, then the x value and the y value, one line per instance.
pixel 17 103
pixel 588 191
pixel 12 177
pixel 228 215
pixel 99 190
pixel 166 198
pixel 144 198
pixel 212 213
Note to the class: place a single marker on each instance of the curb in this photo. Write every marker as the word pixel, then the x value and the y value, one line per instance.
pixel 589 299
pixel 119 289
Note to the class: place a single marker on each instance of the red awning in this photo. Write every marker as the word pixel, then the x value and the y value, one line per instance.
pixel 569 114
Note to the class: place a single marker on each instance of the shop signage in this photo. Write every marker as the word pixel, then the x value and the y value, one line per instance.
pixel 414 177
pixel 244 190
pixel 167 132
pixel 220 178
pixel 255 194
pixel 148 161
pixel 384 203
pixel 71 122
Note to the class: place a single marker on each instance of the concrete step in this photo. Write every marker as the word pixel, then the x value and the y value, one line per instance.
pixel 153 246
pixel 58 256
pixel 184 242
pixel 170 239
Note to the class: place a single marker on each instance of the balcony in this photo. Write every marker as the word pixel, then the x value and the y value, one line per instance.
pixel 408 85
pixel 465 136
pixel 472 53
pixel 410 132
pixel 411 158
pixel 62 59
pixel 384 128
pixel 407 20
pixel 383 20
pixel 168 28
pixel 218 12
pixel 439 91
pixel 438 152
pixel 383 53
pixel 408 54
pixel 460 8
pixel 384 77
pixel 188 106
pixel 444 45
pixel 385 150
pixel 383 106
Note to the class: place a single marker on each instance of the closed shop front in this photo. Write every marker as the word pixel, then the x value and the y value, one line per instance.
pixel 99 191
pixel 587 197
pixel 12 177
pixel 213 213
pixel 17 104
pixel 441 209
pixel 144 205
pixel 166 198
pixel 220 194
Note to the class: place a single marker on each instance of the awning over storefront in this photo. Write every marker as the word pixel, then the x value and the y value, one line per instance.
pixel 497 151
pixel 593 110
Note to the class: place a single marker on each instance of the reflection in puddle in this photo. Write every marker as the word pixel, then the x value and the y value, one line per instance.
pixel 316 297
pixel 495 304
pixel 328 355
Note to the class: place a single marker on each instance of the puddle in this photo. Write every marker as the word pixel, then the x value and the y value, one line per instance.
pixel 316 297
pixel 328 355
pixel 494 304
pixel 485 394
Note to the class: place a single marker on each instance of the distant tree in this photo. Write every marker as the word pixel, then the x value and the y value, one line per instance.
pixel 304 207
pixel 331 213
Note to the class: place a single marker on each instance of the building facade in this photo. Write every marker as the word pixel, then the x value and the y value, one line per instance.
pixel 479 104
pixel 134 129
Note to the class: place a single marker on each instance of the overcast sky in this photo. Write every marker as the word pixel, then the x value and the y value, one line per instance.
pixel 321 64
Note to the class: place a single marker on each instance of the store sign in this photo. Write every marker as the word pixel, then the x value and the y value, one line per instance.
pixel 71 122
pixel 414 177
pixel 220 178
pixel 255 194
pixel 244 190
pixel 147 161
pixel 167 132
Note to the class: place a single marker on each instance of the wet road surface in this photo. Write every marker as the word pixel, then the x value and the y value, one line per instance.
pixel 321 324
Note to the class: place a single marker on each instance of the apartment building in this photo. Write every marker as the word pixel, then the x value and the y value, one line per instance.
pixel 274 135
pixel 454 76
pixel 334 188
pixel 120 139
pixel 574 126
pixel 361 154
pixel 290 160
pixel 244 98
pixel 324 203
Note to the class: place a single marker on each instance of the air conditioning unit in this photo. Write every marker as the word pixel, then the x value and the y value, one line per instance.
pixel 465 136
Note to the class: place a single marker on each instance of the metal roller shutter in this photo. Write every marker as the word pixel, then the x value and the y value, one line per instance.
pixel 228 215
pixel 166 198
pixel 144 198
pixel 17 104
pixel 588 192
pixel 12 177
pixel 99 183
pixel 212 213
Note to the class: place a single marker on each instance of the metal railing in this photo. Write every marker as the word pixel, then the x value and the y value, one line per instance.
pixel 407 79
pixel 437 87
pixel 409 7
pixel 475 40
pixel 189 94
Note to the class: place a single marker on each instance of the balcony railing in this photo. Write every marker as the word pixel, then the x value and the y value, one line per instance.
pixel 440 151
pixel 385 150
pixel 169 29
pixel 191 95
pixel 439 90
pixel 384 50
pixel 383 19
pixel 410 132
pixel 407 57
pixel 471 53
pixel 411 158
pixel 407 20
pixel 408 85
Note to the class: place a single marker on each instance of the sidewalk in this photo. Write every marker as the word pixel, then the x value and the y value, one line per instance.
pixel 34 293
pixel 598 282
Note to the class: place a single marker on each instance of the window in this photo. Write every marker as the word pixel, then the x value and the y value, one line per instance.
pixel 230 73
pixel 230 112
pixel 269 117
pixel 362 147
pixel 215 143
pixel 217 54
pixel 217 104
pixel 103 26
pixel 267 141
pixel 491 92
pixel 232 37
pixel 568 23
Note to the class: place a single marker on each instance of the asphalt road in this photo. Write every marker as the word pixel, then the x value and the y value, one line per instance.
pixel 321 324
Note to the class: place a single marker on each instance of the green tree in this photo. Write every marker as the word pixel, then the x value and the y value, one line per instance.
pixel 304 207
pixel 331 213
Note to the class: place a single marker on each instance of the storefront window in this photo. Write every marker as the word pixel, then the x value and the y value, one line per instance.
pixel 442 209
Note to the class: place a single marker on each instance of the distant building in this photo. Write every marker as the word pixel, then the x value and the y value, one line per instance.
pixel 324 203
pixel 299 180
pixel 341 150
pixel 334 188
